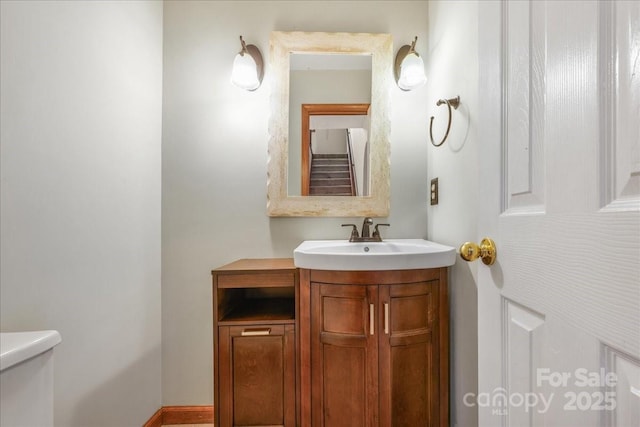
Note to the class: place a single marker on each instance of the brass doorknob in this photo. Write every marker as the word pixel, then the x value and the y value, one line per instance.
pixel 469 251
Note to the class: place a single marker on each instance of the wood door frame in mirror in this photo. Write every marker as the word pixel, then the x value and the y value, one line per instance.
pixel 282 45
pixel 309 110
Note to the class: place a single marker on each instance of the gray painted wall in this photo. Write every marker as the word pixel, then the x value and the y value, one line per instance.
pixel 452 69
pixel 80 219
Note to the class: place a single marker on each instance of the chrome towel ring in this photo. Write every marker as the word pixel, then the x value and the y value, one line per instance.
pixel 452 102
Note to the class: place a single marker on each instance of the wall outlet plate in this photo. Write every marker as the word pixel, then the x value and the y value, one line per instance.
pixel 433 192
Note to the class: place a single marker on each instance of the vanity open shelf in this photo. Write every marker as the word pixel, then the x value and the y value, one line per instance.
pixel 250 291
pixel 242 306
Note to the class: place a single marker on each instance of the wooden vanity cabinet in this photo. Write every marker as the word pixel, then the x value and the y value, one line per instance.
pixel 254 324
pixel 374 348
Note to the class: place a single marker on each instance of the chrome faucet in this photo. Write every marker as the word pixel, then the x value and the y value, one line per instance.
pixel 365 236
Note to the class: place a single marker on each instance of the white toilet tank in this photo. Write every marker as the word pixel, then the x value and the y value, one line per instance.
pixel 26 378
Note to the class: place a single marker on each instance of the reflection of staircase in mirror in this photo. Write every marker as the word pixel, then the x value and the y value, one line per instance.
pixel 330 175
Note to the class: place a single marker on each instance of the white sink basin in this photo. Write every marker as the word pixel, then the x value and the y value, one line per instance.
pixel 391 254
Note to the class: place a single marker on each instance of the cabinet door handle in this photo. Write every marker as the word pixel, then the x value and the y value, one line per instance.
pixel 386 318
pixel 255 332
pixel 372 316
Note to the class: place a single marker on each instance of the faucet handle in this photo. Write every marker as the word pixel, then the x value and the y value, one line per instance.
pixel 376 232
pixel 354 231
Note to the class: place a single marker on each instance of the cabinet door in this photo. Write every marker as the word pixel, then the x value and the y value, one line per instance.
pixel 408 378
pixel 344 356
pixel 257 375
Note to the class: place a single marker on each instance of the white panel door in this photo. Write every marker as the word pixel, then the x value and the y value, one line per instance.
pixel 559 136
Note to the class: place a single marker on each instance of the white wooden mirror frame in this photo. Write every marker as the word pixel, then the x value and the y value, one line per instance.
pixel 379 46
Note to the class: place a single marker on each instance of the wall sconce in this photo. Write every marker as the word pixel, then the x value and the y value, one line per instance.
pixel 248 67
pixel 409 68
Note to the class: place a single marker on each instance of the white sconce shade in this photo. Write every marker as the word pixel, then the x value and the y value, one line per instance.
pixel 411 72
pixel 409 68
pixel 247 67
pixel 244 74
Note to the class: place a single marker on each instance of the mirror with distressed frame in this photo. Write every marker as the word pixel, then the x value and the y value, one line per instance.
pixel 282 201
